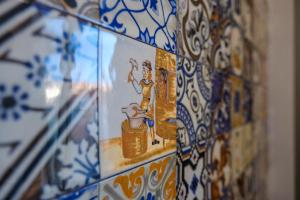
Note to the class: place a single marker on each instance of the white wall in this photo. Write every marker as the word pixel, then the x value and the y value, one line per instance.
pixel 281 99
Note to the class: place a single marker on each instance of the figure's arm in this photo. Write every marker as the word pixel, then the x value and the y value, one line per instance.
pixel 152 97
pixel 137 86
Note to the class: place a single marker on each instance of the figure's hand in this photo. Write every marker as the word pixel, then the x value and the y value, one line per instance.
pixel 134 64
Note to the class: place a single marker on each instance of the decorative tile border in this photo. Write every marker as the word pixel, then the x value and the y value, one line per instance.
pixel 155 180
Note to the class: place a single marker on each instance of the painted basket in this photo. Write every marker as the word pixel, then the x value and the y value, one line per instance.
pixel 134 140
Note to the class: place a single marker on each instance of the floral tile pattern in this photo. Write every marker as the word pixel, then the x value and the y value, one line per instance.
pixel 155 180
pixel 45 92
pixel 150 21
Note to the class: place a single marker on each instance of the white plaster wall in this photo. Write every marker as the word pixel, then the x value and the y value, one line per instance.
pixel 281 100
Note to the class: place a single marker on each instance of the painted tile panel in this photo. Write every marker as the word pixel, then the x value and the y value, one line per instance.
pixel 137 103
pixel 150 21
pixel 154 180
pixel 49 86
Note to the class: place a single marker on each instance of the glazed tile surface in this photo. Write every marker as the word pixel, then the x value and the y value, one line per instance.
pixel 45 92
pixel 137 97
pixel 221 168
pixel 88 9
pixel 90 192
pixel 193 122
pixel 150 21
pixel 155 180
pixel 133 99
pixel 193 106
pixel 193 37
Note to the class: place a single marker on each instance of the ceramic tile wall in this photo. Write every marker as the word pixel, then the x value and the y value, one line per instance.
pixel 132 99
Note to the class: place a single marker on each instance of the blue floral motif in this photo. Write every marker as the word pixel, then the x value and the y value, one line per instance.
pixel 145 37
pixel 68 46
pixel 158 27
pixel 12 102
pixel 38 70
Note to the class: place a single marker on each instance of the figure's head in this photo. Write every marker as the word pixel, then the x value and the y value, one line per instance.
pixel 163 75
pixel 147 70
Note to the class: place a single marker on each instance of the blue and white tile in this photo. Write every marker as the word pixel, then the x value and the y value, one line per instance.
pixel 193 129
pixel 150 21
pixel 88 9
pixel 194 89
pixel 49 83
pixel 193 179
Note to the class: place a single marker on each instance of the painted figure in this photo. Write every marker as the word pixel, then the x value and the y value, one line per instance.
pixel 163 85
pixel 145 87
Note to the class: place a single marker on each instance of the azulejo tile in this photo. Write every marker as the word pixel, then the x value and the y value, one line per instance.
pixel 237 51
pixel 242 144
pixel 47 91
pixel 240 102
pixel 244 187
pixel 154 180
pixel 150 21
pixel 87 193
pixel 220 168
pixel 193 122
pixel 193 37
pixel 220 103
pixel 193 173
pixel 138 103
pixel 88 9
pixel 193 108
